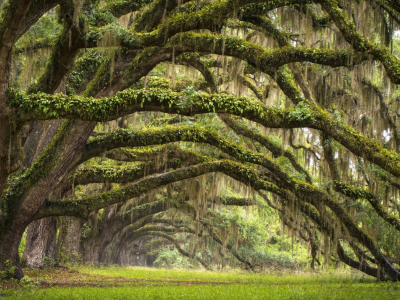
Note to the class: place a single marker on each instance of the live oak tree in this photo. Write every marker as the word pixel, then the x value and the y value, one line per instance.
pixel 307 92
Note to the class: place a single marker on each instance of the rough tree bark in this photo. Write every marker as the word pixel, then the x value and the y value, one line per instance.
pixel 68 244
pixel 41 246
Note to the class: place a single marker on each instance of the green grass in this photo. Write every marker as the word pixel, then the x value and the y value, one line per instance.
pixel 231 277
pixel 217 292
pixel 179 284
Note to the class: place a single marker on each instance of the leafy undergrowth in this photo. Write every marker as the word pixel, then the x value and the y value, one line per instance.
pixel 144 283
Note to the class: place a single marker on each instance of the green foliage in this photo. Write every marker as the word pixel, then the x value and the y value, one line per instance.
pixel 21 247
pixel 85 67
pixel 9 270
pixel 261 239
pixel 303 112
pixel 190 94
pixel 45 30
pixel 69 259
pixel 172 259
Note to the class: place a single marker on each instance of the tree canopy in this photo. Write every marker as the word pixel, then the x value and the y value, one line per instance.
pixel 126 109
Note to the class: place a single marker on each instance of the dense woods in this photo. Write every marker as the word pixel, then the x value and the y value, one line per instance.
pixel 132 127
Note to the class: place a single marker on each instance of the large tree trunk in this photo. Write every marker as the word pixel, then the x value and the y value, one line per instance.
pixel 18 212
pixel 91 253
pixel 9 256
pixel 68 150
pixel 115 255
pixel 5 126
pixel 95 246
pixel 69 239
pixel 123 257
pixel 40 136
pixel 41 247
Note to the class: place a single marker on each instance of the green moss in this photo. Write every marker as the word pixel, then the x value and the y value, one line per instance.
pixel 42 167
pixel 84 68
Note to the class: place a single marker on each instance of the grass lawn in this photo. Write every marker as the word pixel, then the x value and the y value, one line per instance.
pixel 143 283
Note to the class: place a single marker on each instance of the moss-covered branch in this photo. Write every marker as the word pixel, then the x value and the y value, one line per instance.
pixel 300 146
pixel 87 204
pixel 355 192
pixel 155 14
pixel 113 10
pixel 240 129
pixel 247 82
pixel 360 42
pixel 392 13
pixel 44 106
pixel 182 133
pixel 36 10
pixel 361 193
pixel 268 143
pixel 267 61
pixel 283 40
pixel 101 174
pixel 12 16
pixel 207 18
pixel 169 151
pixel 129 173
pixel 384 109
pixel 195 61
pixel 58 66
pixel 325 225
